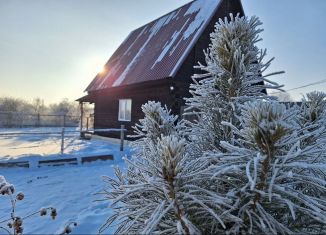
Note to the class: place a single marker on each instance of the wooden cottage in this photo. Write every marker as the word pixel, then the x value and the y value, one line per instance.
pixel 155 62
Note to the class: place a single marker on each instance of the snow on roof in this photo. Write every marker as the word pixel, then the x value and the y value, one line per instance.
pixel 156 50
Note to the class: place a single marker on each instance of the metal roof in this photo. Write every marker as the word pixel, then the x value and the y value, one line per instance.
pixel 157 49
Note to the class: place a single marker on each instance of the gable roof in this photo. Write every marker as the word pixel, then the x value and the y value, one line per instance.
pixel 157 49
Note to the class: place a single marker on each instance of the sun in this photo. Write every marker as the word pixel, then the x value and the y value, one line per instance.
pixel 102 70
pixel 97 65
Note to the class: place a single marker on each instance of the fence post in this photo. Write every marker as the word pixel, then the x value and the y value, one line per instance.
pixel 9 119
pixel 122 136
pixel 81 119
pixel 62 140
pixel 38 124
pixel 64 120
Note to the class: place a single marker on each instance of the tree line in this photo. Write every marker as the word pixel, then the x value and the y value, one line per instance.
pixel 17 112
pixel 37 106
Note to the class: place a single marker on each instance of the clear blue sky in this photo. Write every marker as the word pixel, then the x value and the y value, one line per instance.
pixel 52 49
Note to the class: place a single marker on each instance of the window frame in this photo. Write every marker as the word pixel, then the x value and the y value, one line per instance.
pixel 123 117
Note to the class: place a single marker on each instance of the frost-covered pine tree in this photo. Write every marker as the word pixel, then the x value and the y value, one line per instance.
pixel 233 74
pixel 270 175
pixel 245 167
pixel 312 117
pixel 312 121
pixel 162 190
pixel 158 121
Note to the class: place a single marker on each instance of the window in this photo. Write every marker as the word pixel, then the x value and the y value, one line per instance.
pixel 125 110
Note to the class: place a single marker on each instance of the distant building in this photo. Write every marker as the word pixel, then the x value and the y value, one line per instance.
pixel 155 62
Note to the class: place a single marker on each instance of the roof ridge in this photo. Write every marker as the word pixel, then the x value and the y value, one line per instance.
pixel 152 21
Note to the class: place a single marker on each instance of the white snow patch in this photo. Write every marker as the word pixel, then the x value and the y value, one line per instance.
pixel 68 189
pixel 156 27
pixel 170 17
pixel 204 10
pixel 176 46
pixel 133 43
pixel 176 14
pixel 36 147
pixel 168 46
pixel 112 71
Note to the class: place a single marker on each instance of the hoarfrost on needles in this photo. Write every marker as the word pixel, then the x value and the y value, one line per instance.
pixel 243 163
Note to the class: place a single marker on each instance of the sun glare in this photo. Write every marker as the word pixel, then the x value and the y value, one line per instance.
pixel 96 64
pixel 102 70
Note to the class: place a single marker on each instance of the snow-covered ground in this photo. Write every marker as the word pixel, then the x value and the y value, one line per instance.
pixel 49 145
pixel 70 189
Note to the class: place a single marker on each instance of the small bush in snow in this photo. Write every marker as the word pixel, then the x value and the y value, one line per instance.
pixel 14 225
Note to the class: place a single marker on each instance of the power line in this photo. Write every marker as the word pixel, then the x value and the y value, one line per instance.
pixel 297 88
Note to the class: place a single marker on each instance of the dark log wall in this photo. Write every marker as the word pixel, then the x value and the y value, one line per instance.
pixel 107 103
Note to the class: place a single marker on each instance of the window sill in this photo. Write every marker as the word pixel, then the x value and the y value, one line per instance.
pixel 121 120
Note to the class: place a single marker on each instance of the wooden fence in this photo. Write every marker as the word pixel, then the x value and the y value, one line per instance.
pixel 21 119
pixel 63 133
